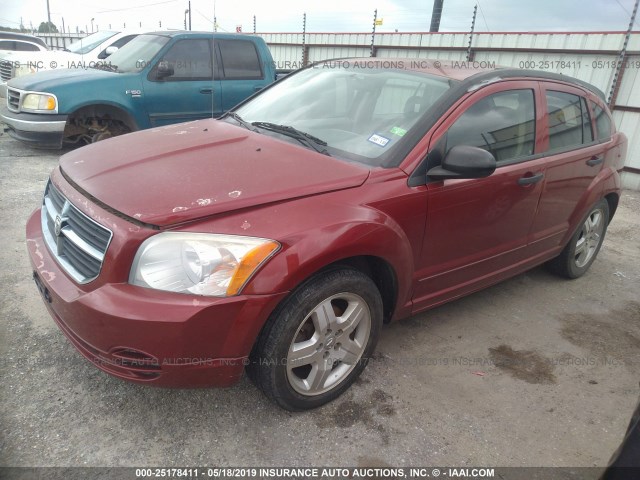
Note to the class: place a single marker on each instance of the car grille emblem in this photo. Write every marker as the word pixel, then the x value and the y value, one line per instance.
pixel 57 226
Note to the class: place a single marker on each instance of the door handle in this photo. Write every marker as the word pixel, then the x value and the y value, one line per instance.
pixel 257 89
pixel 593 161
pixel 206 91
pixel 530 180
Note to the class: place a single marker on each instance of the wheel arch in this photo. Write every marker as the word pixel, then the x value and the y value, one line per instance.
pixel 612 199
pixel 116 111
pixel 380 272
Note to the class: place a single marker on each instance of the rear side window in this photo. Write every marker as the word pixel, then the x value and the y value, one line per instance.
pixel 18 46
pixel 568 120
pixel 603 122
pixel 239 59
pixel 502 123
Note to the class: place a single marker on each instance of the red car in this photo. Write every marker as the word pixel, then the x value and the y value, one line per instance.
pixel 281 237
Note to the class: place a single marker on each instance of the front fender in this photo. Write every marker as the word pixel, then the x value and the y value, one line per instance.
pixel 354 232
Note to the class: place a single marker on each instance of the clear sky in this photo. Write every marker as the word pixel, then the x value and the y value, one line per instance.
pixel 326 15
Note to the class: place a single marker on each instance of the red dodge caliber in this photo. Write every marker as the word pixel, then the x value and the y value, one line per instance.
pixel 280 237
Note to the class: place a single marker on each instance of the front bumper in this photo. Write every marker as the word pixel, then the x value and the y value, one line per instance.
pixel 38 130
pixel 148 336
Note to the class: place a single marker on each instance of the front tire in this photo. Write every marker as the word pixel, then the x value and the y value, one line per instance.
pixel 319 340
pixel 583 248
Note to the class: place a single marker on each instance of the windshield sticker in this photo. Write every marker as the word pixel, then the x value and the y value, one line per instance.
pixel 398 131
pixel 379 140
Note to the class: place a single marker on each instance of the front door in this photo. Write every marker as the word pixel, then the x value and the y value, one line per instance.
pixel 190 93
pixel 478 229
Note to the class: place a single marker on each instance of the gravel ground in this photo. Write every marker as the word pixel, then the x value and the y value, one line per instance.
pixel 535 371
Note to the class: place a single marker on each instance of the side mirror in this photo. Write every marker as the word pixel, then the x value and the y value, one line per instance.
pixel 463 161
pixel 110 50
pixel 163 70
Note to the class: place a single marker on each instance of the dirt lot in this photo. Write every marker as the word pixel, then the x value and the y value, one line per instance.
pixel 534 371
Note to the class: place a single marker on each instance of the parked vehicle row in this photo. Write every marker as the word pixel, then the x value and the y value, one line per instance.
pixel 282 236
pixel 157 79
pixel 82 53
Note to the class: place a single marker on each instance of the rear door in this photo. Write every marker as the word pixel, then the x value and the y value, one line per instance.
pixel 478 229
pixel 243 72
pixel 191 93
pixel 574 158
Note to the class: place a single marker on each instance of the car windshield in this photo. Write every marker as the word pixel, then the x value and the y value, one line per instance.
pixel 137 54
pixel 86 44
pixel 357 113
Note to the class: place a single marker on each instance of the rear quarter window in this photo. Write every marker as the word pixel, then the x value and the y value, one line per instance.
pixel 604 126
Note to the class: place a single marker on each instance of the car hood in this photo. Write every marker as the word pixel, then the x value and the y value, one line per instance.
pixel 184 172
pixel 47 80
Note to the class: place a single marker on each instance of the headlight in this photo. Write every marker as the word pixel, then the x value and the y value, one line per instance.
pixel 199 263
pixel 39 102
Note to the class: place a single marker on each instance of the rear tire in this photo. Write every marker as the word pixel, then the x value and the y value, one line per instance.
pixel 584 245
pixel 319 340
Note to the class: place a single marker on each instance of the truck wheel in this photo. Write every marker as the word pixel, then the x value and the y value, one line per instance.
pixel 582 249
pixel 319 340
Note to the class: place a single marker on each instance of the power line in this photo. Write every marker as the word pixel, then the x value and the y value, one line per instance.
pixel 626 11
pixel 483 17
pixel 137 6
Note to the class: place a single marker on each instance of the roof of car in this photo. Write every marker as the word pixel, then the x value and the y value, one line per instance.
pixel 21 36
pixel 469 73
pixel 174 33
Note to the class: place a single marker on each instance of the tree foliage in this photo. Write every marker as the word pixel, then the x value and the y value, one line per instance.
pixel 47 27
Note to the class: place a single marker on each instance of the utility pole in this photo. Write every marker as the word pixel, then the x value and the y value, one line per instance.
pixel 62 24
pixel 436 15
pixel 373 33
pixel 189 15
pixel 254 24
pixel 473 24
pixel 48 13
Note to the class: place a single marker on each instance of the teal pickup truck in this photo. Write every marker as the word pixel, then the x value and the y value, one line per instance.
pixel 156 79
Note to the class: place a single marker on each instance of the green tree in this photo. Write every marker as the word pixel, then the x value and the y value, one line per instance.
pixel 47 27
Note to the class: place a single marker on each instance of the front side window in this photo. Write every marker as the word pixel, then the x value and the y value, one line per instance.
pixel 502 123
pixel 239 59
pixel 121 42
pixel 568 120
pixel 190 59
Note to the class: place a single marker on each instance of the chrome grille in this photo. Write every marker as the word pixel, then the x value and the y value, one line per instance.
pixel 76 241
pixel 6 70
pixel 13 100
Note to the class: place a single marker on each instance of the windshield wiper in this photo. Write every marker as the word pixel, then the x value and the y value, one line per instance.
pixel 240 120
pixel 303 137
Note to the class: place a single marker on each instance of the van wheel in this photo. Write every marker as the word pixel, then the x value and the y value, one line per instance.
pixel 582 249
pixel 319 340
